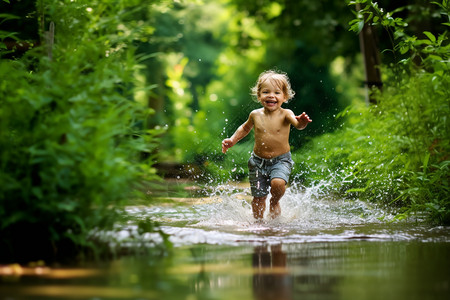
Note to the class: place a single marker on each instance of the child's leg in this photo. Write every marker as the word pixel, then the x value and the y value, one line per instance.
pixel 277 189
pixel 258 207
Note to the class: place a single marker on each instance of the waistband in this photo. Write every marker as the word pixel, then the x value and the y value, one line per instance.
pixel 272 160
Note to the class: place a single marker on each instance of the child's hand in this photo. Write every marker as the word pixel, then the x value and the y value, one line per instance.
pixel 227 144
pixel 303 120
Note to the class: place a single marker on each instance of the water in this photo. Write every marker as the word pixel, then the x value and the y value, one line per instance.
pixel 224 217
pixel 320 248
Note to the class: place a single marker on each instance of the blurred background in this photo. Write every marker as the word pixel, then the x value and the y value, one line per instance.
pixel 98 98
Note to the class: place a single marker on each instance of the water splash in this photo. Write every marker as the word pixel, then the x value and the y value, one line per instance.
pixel 224 216
pixel 301 208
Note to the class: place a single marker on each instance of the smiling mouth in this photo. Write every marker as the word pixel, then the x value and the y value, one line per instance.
pixel 271 102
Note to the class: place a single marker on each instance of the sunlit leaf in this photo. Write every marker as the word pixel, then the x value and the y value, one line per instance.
pixel 430 36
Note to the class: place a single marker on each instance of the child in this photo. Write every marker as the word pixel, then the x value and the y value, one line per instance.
pixel 270 163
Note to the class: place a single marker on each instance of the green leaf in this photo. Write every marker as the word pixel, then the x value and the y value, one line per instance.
pixel 6 17
pixel 360 26
pixel 356 190
pixel 37 192
pixel 422 42
pixel 430 36
pixel 435 57
pixel 403 50
pixel 437 3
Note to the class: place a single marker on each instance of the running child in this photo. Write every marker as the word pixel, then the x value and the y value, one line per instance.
pixel 270 164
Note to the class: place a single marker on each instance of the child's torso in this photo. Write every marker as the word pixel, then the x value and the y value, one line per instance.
pixel 271 133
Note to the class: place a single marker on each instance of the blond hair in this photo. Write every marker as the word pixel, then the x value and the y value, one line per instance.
pixel 279 79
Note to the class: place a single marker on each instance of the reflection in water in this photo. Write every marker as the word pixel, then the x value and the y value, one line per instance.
pixel 271 279
pixel 359 270
pixel 318 249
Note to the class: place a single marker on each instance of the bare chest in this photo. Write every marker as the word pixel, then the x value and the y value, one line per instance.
pixel 271 125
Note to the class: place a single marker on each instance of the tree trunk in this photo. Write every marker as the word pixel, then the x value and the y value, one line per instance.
pixel 371 57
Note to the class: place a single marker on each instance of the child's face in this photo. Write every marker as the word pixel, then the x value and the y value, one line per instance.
pixel 271 96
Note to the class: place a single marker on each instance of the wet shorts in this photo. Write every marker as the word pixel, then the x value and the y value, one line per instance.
pixel 263 170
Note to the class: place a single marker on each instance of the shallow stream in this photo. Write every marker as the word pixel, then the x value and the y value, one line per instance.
pixel 319 248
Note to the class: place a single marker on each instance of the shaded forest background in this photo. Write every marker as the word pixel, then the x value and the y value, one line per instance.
pixel 95 93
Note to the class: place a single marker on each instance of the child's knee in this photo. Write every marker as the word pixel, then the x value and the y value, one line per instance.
pixel 277 186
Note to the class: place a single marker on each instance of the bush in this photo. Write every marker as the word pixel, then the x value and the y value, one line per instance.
pixel 395 152
pixel 71 138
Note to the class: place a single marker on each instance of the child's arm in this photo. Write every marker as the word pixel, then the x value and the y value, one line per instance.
pixel 240 133
pixel 300 122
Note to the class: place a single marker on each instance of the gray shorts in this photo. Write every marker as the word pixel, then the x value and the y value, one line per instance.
pixel 263 170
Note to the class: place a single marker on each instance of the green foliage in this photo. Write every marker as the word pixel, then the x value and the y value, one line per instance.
pixel 394 153
pixel 405 29
pixel 71 133
pixel 217 50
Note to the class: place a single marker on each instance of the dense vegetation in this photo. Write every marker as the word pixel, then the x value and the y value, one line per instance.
pixel 395 152
pixel 126 83
pixel 72 133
